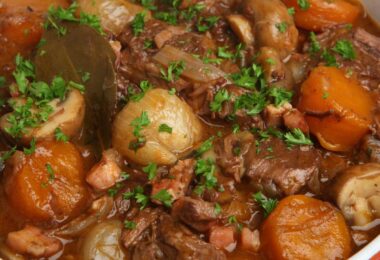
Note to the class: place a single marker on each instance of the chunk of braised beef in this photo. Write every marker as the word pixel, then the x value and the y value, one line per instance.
pixel 280 170
pixel 145 220
pixel 198 214
pixel 230 153
pixel 178 180
pixel 153 250
pixel 188 245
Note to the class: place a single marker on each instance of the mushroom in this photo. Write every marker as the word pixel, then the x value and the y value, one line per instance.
pixel 357 193
pixel 67 115
pixel 241 27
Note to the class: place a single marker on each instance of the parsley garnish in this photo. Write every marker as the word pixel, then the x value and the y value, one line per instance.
pixel 253 103
pixel 291 11
pixel 205 146
pixel 8 154
pixel 232 219
pixel 86 77
pixel 169 17
pixel 224 53
pixel 165 197
pixel 148 4
pixel 303 4
pixel 112 192
pixel 148 44
pixel 138 23
pixel 50 171
pixel 144 86
pixel 205 169
pixel 191 12
pixel 174 70
pixel 345 49
pixel 138 195
pixel 60 136
pixel 267 204
pixel 151 170
pixel 296 137
pixel 314 44
pixel 2 81
pixel 130 224
pixel 249 77
pixel 282 27
pixel 329 58
pixel 217 209
pixel 29 151
pixel 172 91
pixel 220 97
pixel 165 128
pixel 138 124
pixel 204 24
pixel 57 15
pixel 280 95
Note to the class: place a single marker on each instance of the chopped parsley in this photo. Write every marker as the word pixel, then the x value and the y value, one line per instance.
pixel 138 194
pixel 3 80
pixel 345 49
pixel 145 85
pixel 138 23
pixel 151 170
pixel 205 169
pixel 173 71
pixel 280 95
pixel 165 197
pixel 191 12
pixel 60 136
pixel 252 103
pixel 165 129
pixel 148 44
pixel 282 27
pixel 86 77
pixel 205 24
pixel 315 47
pixel 249 77
pixel 112 192
pixel 232 219
pixel 169 17
pixel 32 148
pixel 205 146
pixel 50 171
pixel 235 128
pixel 57 15
pixel 148 4
pixel 329 59
pixel 296 137
pixel 172 91
pixel 303 4
pixel 217 209
pixel 265 203
pixel 138 124
pixel 291 11
pixel 130 224
pixel 220 97
pixel 8 154
pixel 224 53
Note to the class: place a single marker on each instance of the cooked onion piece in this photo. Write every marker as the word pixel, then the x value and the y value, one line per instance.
pixel 160 147
pixel 357 193
pixel 67 115
pixel 195 69
pixel 114 14
pixel 102 242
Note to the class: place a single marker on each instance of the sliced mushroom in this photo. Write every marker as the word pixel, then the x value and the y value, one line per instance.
pixel 357 193
pixel 67 115
pixel 242 28
pixel 273 67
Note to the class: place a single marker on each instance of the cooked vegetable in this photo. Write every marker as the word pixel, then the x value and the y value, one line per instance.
pixel 321 14
pixel 102 241
pixel 157 147
pixel 195 70
pixel 40 196
pixel 36 5
pixel 67 116
pixel 338 110
pixel 242 28
pixel 114 14
pixel 83 50
pixel 273 25
pixel 305 228
pixel 98 211
pixel 357 193
pixel 33 242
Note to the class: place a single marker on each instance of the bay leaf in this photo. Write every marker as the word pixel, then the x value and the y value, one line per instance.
pixel 83 51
